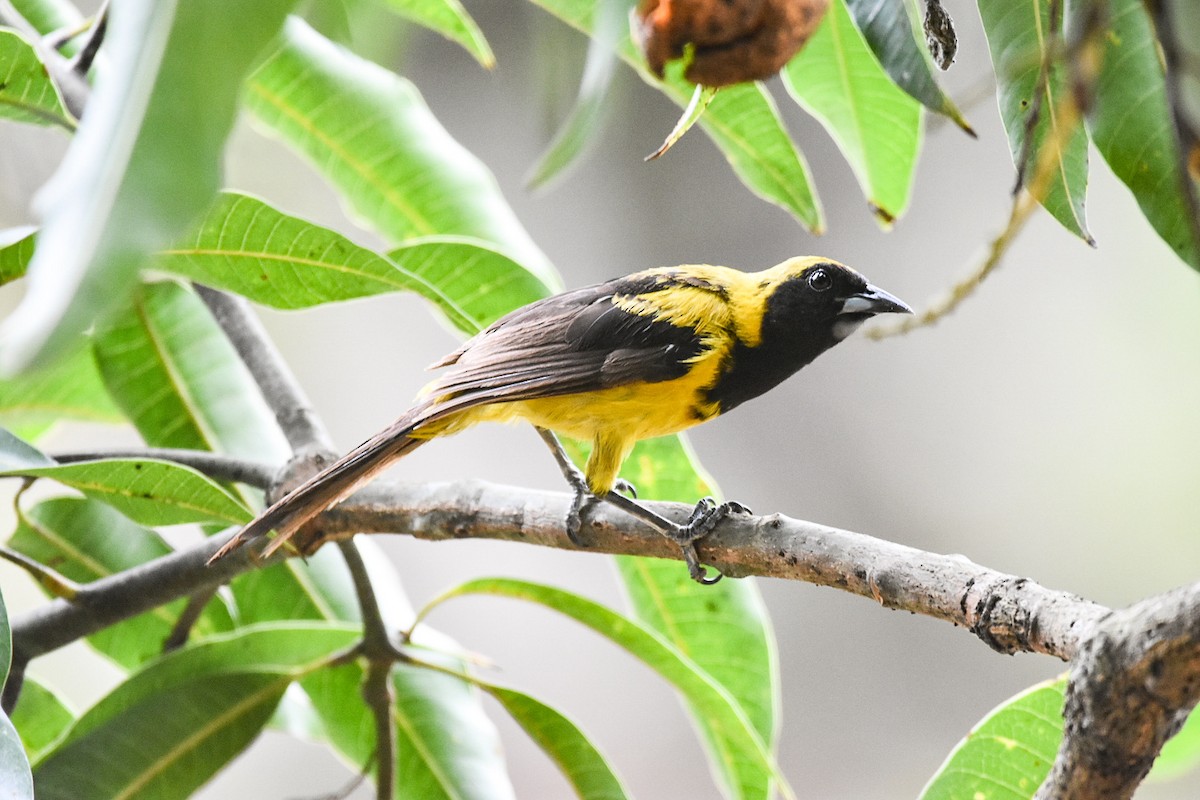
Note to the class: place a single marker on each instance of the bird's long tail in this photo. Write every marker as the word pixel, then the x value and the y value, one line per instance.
pixel 334 483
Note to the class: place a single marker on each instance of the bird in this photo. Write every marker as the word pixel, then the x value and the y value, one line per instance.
pixel 648 354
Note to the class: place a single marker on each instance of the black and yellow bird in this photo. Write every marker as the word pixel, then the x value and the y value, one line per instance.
pixel 645 355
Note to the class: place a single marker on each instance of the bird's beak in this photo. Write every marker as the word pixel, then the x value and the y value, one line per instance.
pixel 873 300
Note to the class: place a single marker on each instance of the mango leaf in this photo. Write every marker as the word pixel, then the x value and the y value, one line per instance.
pixel 371 134
pixel 471 283
pixel 15 779
pixel 710 701
pixel 1131 123
pixel 876 125
pixel 15 453
pixel 1019 37
pixel 181 718
pixel 41 718
pixel 450 19
pixel 179 380
pixel 147 491
pixel 887 26
pixel 446 747
pixel 742 121
pixel 85 540
pixel 26 92
pixel 582 125
pixel 581 763
pixel 16 248
pixel 30 404
pixel 1009 753
pixel 248 247
pixel 143 165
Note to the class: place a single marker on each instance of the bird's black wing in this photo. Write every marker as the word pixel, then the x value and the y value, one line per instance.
pixel 574 342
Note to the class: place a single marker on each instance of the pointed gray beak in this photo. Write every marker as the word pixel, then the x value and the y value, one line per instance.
pixel 873 300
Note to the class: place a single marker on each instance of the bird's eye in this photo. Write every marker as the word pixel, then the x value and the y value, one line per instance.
pixel 819 280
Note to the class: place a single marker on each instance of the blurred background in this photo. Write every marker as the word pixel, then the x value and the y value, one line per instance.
pixel 1047 429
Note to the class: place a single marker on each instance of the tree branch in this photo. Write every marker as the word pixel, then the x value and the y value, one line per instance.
pixel 1131 688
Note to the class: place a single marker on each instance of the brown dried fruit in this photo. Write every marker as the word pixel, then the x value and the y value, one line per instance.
pixel 733 40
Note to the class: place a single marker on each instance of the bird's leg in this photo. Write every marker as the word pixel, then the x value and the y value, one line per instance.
pixel 584 498
pixel 705 516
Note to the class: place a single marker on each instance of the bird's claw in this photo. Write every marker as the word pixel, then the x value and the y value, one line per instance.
pixel 625 487
pixel 704 518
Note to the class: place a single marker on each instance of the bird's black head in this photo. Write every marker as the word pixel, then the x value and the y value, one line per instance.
pixel 817 304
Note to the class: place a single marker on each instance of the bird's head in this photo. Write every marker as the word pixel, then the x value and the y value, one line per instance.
pixel 825 297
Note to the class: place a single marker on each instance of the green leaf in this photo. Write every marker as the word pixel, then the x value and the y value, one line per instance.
pixel 1181 753
pixel 179 380
pixel 472 284
pixel 16 453
pixel 248 247
pixel 876 125
pixel 15 778
pixel 143 166
pixel 710 701
pixel 725 628
pixel 450 19
pixel 5 642
pixel 316 588
pixel 582 764
pixel 180 719
pixel 371 134
pixel 887 26
pixel 446 747
pixel 70 388
pixel 147 491
pixel 48 15
pixel 26 92
pixel 85 540
pixel 1009 753
pixel 582 125
pixel 41 718
pixel 742 121
pixel 1019 36
pixel 16 248
pixel 1131 123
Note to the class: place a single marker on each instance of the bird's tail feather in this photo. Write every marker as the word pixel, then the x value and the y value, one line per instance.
pixel 334 483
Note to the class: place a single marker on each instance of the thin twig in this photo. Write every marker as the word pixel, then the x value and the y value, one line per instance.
pixel 283 394
pixel 215 465
pixel 182 628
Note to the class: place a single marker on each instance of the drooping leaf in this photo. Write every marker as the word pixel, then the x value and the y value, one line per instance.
pixel 179 380
pixel 41 718
pixel 724 628
pixel 1130 121
pixel 887 26
pixel 1054 163
pixel 837 79
pixel 446 747
pixel 147 491
pixel 16 453
pixel 581 763
pixel 71 388
pixel 5 642
pixel 710 700
pixel 181 718
pixel 167 97
pixel 1009 753
pixel 15 779
pixel 85 540
pixel 582 125
pixel 371 134
pixel 742 121
pixel 450 19
pixel 26 92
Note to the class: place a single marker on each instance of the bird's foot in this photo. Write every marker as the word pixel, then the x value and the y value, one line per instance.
pixel 584 500
pixel 704 518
